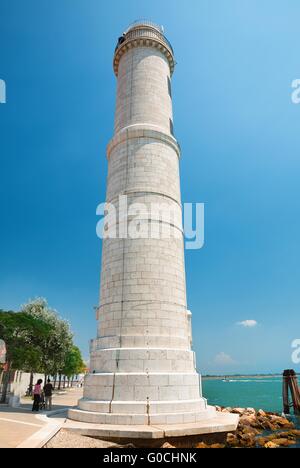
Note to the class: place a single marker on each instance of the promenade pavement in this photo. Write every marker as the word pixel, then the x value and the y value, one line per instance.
pixel 17 425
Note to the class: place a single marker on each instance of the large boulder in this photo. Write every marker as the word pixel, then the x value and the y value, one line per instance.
pixel 250 430
pixel 271 445
pixel 262 441
pixel 232 440
pixel 284 442
pixel 239 411
pixel 266 424
pixel 286 435
pixel 202 445
pixel 227 410
pixel 249 420
pixel 247 440
pixel 166 445
pixel 281 421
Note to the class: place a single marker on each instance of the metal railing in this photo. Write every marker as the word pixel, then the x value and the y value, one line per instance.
pixel 151 30
pixel 144 22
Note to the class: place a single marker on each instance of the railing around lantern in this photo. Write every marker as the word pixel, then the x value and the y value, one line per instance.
pixel 150 30
pixel 142 22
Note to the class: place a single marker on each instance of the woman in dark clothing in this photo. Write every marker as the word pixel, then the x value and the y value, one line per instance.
pixel 37 395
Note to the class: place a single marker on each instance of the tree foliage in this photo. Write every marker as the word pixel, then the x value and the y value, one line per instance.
pixel 38 340
pixel 54 348
pixel 74 363
pixel 21 334
pixel 19 331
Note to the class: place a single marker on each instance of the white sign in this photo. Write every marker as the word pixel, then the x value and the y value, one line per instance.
pixel 2 92
pixel 2 352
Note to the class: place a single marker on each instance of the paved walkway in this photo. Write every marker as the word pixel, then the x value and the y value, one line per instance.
pixel 19 424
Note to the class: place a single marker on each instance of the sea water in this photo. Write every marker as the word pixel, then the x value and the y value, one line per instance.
pixel 246 392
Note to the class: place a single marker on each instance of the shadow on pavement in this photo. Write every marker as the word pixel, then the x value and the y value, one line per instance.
pixel 27 408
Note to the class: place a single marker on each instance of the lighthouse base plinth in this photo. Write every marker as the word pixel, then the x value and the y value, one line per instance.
pixel 210 424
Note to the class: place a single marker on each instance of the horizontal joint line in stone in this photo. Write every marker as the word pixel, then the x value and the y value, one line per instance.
pixel 143 303
pixel 148 349
pixel 145 373
pixel 157 221
pixel 130 134
pixel 146 193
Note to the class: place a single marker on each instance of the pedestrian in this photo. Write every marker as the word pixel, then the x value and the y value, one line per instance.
pixel 48 389
pixel 37 395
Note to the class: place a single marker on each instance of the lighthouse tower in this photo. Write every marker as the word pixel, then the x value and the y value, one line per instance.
pixel 143 370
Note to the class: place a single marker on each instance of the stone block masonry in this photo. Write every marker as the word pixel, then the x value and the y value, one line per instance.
pixel 143 370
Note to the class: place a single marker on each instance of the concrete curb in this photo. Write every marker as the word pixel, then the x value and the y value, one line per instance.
pixel 41 437
pixel 43 412
pixel 54 412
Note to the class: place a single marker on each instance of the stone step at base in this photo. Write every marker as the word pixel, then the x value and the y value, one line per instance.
pixel 140 419
pixel 143 407
pixel 219 423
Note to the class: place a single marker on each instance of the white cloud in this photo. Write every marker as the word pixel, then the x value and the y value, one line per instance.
pixel 223 359
pixel 248 323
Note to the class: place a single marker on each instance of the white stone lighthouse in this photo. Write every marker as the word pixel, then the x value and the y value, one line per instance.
pixel 143 370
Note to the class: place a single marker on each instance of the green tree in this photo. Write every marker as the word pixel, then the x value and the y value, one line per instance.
pixel 74 363
pixel 55 348
pixel 19 331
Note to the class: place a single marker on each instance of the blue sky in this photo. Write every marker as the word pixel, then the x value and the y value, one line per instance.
pixel 239 133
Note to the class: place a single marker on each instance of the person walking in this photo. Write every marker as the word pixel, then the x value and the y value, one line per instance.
pixel 37 395
pixel 48 389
